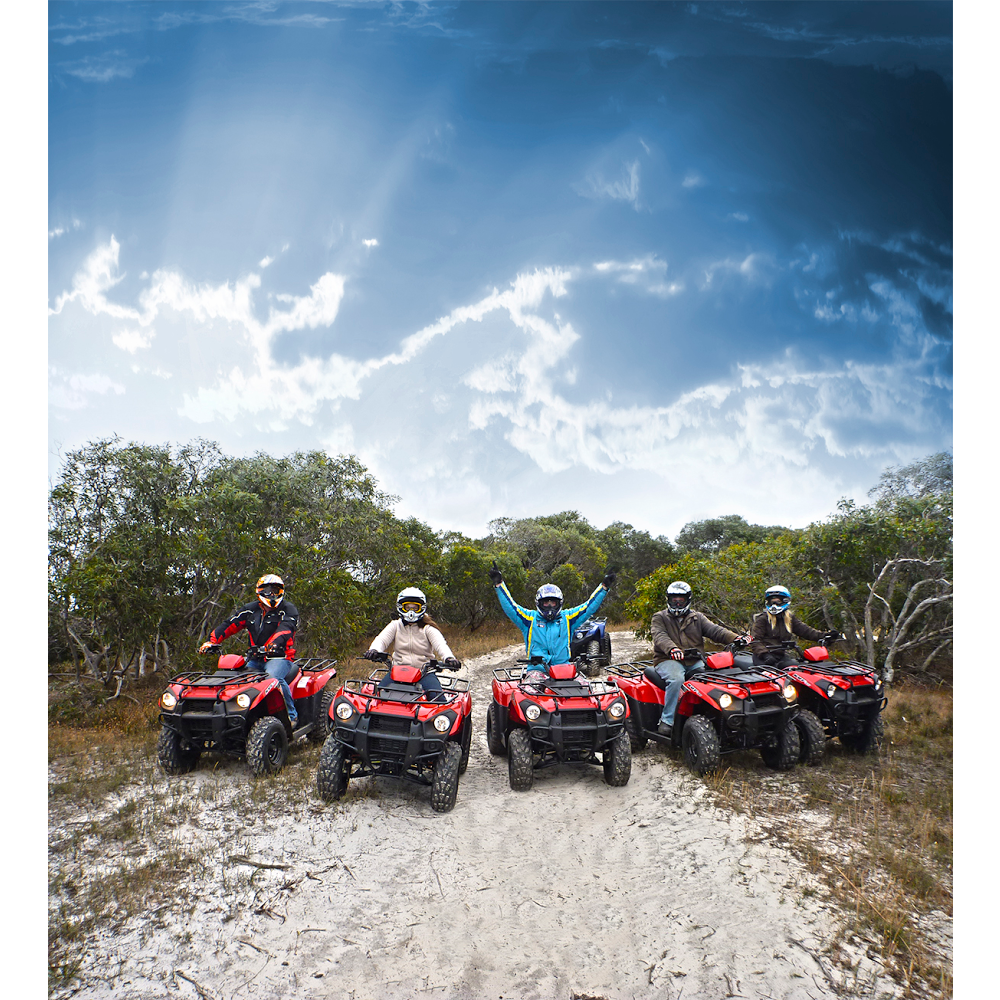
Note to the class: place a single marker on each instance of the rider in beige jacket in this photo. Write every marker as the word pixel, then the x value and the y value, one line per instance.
pixel 414 642
pixel 414 637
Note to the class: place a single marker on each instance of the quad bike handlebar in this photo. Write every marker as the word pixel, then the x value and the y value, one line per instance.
pixel 252 652
pixel 430 667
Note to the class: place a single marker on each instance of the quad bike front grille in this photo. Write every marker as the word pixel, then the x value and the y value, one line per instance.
pixel 198 705
pixel 386 748
pixel 769 702
pixel 396 724
pixel 579 717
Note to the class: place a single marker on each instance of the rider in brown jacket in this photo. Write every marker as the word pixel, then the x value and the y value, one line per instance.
pixel 675 629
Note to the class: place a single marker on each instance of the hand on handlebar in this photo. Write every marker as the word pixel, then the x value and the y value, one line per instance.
pixel 676 654
pixel 832 636
pixel 452 664
pixel 208 647
pixel 374 654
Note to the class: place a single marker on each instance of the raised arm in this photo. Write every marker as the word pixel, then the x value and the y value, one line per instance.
pixel 584 611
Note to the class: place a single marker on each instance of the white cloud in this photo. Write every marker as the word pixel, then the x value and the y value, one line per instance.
pixel 157 371
pixel 103 68
pixel 631 268
pixel 72 393
pixel 297 392
pixel 265 262
pixel 53 233
pixel 133 340
pixel 626 189
pixel 739 216
pixel 231 303
pixel 755 268
pixel 643 272
pixel 523 387
pixel 370 243
pixel 692 180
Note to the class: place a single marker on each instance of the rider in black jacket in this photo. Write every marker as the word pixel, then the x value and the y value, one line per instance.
pixel 270 622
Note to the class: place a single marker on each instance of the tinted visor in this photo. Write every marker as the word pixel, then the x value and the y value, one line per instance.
pixel 270 590
pixel 678 600
pixel 776 600
pixel 549 603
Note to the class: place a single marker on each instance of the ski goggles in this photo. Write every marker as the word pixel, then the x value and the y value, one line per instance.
pixel 411 606
pixel 270 590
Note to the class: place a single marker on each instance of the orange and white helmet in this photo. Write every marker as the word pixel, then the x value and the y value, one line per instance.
pixel 270 590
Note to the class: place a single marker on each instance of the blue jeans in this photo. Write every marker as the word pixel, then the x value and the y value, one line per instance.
pixel 279 669
pixel 674 673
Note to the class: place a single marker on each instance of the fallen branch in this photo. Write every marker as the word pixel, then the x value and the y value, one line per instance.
pixel 242 859
pixel 202 992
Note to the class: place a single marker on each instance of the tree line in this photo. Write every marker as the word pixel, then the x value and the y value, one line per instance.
pixel 151 546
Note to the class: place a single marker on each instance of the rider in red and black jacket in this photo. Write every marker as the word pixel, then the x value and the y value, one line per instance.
pixel 273 628
pixel 270 622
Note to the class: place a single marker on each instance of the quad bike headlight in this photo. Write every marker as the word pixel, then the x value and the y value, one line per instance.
pixel 167 700
pixel 532 712
pixel 616 709
pixel 725 700
pixel 878 683
pixel 789 692
pixel 442 723
pixel 831 690
pixel 344 711
pixel 243 700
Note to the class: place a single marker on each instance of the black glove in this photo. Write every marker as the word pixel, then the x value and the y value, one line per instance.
pixel 832 636
pixel 372 654
pixel 496 577
pixel 452 664
pixel 610 575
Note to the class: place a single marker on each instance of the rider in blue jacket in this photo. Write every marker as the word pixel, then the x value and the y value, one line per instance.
pixel 548 629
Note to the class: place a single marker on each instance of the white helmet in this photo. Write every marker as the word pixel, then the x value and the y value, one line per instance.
pixel 270 590
pixel 777 599
pixel 411 603
pixel 678 598
pixel 548 592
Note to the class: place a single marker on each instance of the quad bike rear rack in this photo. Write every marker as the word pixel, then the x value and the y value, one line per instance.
pixel 406 694
pixel 218 678
pixel 223 678
pixel 572 687
pixel 629 668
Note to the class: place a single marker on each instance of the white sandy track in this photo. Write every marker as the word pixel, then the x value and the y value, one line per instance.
pixel 571 889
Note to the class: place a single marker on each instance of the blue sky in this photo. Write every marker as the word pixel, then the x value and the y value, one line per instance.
pixel 654 262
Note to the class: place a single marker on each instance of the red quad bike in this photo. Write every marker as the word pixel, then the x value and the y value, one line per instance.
pixel 837 699
pixel 563 718
pixel 723 706
pixel 388 725
pixel 241 713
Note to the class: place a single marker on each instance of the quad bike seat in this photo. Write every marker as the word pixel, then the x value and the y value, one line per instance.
pixel 294 675
pixel 649 672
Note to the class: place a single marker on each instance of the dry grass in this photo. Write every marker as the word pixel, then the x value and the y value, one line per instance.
pixel 877 830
